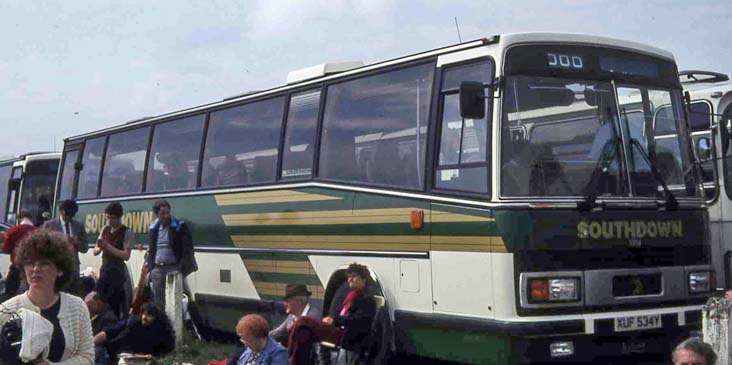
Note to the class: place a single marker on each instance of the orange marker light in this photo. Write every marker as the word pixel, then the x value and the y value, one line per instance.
pixel 539 289
pixel 417 219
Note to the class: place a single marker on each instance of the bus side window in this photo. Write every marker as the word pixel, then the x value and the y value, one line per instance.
pixel 124 162
pixel 91 167
pixel 375 128
pixel 176 147
pixel 302 120
pixel 71 157
pixel 242 143
pixel 464 145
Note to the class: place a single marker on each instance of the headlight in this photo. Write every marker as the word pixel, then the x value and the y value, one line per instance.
pixel 554 290
pixel 701 281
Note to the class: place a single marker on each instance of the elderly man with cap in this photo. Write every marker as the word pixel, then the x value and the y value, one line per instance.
pixel 297 304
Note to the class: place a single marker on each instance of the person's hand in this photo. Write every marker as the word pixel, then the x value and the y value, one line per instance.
pixel 74 240
pixel 328 320
pixel 728 294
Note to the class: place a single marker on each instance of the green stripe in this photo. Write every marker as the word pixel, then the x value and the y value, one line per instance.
pixel 274 257
pixel 464 229
pixel 271 277
pixel 463 347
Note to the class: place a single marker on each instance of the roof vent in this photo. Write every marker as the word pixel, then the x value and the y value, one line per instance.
pixel 321 70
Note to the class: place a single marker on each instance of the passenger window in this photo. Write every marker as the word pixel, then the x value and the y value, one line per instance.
pixel 302 120
pixel 174 155
pixel 464 144
pixel 375 128
pixel 124 163
pixel 67 175
pixel 4 180
pixel 242 144
pixel 91 166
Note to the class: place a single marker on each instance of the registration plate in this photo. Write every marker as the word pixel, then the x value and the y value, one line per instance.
pixel 637 323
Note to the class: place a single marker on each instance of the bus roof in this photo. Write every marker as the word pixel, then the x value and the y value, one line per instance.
pixel 31 156
pixel 504 41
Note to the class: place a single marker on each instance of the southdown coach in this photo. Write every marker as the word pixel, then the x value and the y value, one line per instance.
pixel 526 197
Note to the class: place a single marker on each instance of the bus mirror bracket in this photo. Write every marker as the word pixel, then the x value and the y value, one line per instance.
pixel 78 166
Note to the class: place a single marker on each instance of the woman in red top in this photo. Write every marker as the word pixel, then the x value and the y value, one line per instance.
pixel 12 238
pixel 349 328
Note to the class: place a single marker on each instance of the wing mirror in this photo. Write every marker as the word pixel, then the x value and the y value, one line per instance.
pixel 472 100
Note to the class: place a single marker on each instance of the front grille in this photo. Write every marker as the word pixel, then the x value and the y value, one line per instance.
pixel 636 285
pixel 611 258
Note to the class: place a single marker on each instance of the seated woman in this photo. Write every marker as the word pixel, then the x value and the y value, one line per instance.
pixel 149 334
pixel 45 260
pixel 253 331
pixel 350 328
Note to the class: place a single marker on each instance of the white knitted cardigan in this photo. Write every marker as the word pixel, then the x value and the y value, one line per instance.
pixel 75 325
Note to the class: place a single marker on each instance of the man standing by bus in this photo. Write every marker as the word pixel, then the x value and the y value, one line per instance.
pixel 76 234
pixel 171 250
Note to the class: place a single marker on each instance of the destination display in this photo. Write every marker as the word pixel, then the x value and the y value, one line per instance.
pixel 592 63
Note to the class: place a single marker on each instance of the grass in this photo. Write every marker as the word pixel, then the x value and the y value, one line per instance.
pixel 196 352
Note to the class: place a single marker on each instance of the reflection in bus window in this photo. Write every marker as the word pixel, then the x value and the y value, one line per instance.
pixel 67 176
pixel 4 181
pixel 374 128
pixel 91 167
pixel 125 162
pixel 37 191
pixel 302 119
pixel 553 135
pixel 173 162
pixel 242 143
pixel 463 142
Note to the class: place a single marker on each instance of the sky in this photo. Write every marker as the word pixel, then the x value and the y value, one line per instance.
pixel 71 67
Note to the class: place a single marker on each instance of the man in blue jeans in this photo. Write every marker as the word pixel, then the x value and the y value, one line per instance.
pixel 171 250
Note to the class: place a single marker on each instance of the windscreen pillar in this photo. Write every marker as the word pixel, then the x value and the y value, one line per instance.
pixel 716 327
pixel 174 303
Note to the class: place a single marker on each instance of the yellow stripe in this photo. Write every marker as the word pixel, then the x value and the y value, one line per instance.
pixel 332 239
pixel 278 263
pixel 333 245
pixel 323 217
pixel 276 196
pixel 388 243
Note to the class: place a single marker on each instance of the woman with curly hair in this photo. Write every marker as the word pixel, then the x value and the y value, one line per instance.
pixel 45 260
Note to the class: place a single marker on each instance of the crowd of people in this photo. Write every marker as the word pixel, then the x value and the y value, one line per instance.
pixel 109 326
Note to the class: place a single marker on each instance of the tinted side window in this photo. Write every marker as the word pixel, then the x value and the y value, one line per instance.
pixel 91 167
pixel 726 137
pixel 302 120
pixel 374 128
pixel 242 144
pixel 174 154
pixel 464 144
pixel 67 175
pixel 4 177
pixel 124 163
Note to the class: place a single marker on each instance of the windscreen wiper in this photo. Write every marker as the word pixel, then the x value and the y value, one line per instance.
pixel 671 202
pixel 606 157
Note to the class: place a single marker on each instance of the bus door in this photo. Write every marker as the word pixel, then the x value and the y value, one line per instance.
pixel 37 192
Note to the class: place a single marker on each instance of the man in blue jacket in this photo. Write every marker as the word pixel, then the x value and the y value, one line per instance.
pixel 171 250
